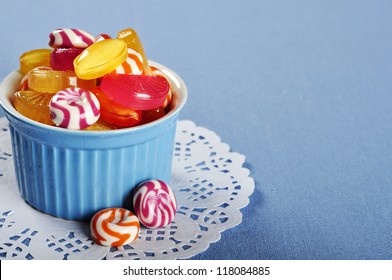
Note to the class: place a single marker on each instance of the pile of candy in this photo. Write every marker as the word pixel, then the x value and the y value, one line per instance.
pixel 100 83
pixel 94 83
pixel 154 204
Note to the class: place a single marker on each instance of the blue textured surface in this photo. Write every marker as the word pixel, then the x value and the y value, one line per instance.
pixel 302 88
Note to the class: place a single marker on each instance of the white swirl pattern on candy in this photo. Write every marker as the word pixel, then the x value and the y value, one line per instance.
pixel 132 65
pixel 154 203
pixel 74 108
pixel 70 38
pixel 114 227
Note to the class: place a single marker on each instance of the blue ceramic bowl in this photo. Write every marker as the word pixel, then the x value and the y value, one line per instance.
pixel 73 174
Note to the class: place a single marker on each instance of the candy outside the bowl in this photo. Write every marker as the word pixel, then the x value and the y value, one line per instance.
pixel 154 203
pixel 114 227
pixel 86 159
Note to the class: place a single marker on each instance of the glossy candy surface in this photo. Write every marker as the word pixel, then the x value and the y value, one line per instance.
pixel 152 115
pixel 154 203
pixel 62 58
pixel 128 90
pixel 51 81
pixel 74 108
pixel 140 92
pixel 34 105
pixel 131 38
pixel 155 71
pixel 102 37
pixel 34 58
pixel 24 83
pixel 100 58
pixel 117 114
pixel 70 38
pixel 132 65
pixel 114 227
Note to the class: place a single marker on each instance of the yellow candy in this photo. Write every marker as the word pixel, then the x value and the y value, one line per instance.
pixel 34 58
pixel 34 105
pixel 100 58
pixel 100 125
pixel 51 81
pixel 130 37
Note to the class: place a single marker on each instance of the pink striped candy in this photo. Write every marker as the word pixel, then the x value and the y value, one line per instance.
pixel 70 38
pixel 102 37
pixel 132 65
pixel 114 227
pixel 154 203
pixel 74 108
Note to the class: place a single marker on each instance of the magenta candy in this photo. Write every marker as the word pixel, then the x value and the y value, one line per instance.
pixel 154 203
pixel 62 58
pixel 139 92
pixel 70 38
pixel 102 37
pixel 74 108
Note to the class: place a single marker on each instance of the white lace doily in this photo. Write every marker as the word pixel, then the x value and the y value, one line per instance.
pixel 210 183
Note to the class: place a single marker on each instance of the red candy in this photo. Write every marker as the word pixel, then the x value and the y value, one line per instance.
pixel 102 37
pixel 140 92
pixel 70 38
pixel 152 115
pixel 62 58
pixel 116 114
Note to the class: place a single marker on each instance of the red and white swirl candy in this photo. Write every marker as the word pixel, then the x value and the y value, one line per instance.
pixel 132 65
pixel 154 203
pixel 74 108
pixel 114 227
pixel 102 37
pixel 70 38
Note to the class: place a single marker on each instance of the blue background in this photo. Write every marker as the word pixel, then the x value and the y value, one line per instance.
pixel 302 88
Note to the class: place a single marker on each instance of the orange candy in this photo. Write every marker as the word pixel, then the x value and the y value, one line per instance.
pixel 34 58
pixel 115 113
pixel 34 105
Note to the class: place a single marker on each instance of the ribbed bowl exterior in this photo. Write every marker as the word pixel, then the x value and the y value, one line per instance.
pixel 72 175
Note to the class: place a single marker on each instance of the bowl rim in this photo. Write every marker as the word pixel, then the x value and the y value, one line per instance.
pixel 176 81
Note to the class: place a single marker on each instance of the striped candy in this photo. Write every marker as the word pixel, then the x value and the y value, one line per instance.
pixel 102 37
pixel 114 227
pixel 74 108
pixel 132 65
pixel 154 203
pixel 70 38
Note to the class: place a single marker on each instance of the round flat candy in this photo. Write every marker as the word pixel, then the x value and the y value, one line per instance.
pixel 139 92
pixel 155 71
pixel 154 203
pixel 132 65
pixel 34 105
pixel 114 227
pixel 131 37
pixel 70 38
pixel 62 58
pixel 100 58
pixel 42 79
pixel 116 114
pixel 34 58
pixel 74 108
